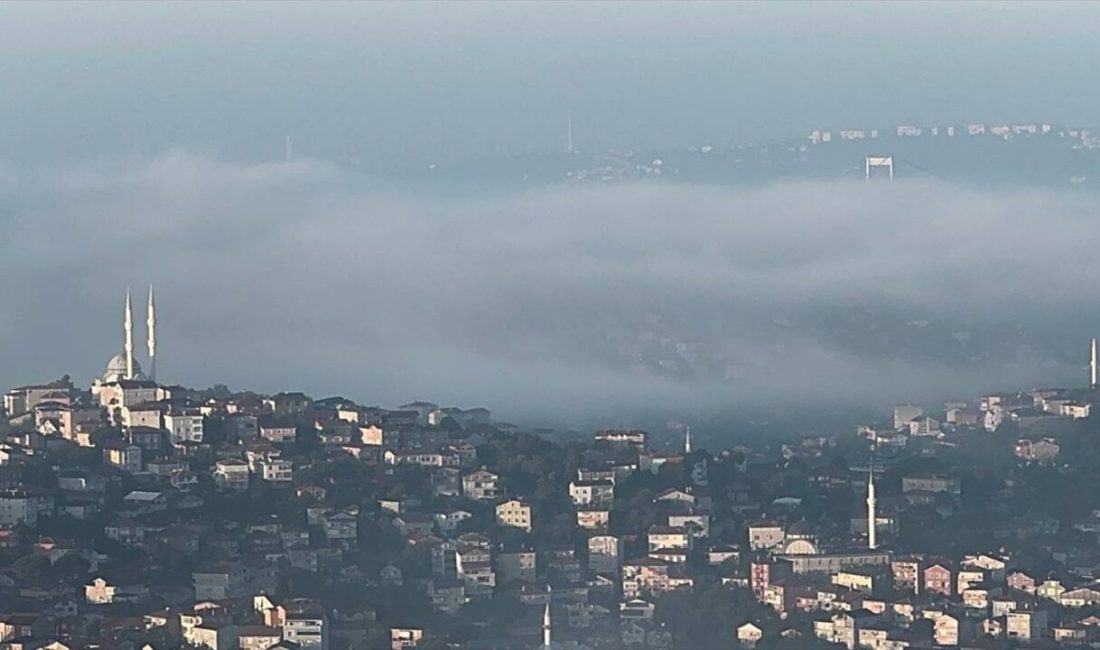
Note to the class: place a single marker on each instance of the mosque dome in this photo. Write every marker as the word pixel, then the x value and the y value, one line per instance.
pixel 116 369
pixel 802 530
pixel 800 546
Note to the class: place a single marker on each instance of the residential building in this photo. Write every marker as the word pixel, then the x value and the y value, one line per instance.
pixel 304 622
pixel 589 493
pixel 258 637
pixel 447 595
pixel 215 635
pixel 280 430
pixel 449 520
pixel 517 565
pixel 1025 625
pixel 184 425
pixel 632 437
pixel 937 580
pixel 99 592
pixel 905 413
pixel 924 426
pixel 1041 451
pixel 593 518
pixel 123 456
pixel 480 485
pixel 697 524
pixel 220 581
pixel 231 473
pixel 514 513
pixel 605 554
pixel 276 470
pixel 405 637
pixel 907 573
pixel 749 634
pixel 342 526
pixel 765 535
pixel 17 507
pixel 376 435
pixel 668 537
pixel 924 482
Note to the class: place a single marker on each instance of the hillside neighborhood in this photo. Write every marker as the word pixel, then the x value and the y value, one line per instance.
pixel 140 515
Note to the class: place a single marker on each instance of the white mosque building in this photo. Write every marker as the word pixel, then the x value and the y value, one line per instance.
pixel 123 366
pixel 123 381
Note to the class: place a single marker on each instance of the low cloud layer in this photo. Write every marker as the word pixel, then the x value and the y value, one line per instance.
pixel 578 300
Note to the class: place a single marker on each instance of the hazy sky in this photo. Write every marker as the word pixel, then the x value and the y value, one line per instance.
pixel 419 81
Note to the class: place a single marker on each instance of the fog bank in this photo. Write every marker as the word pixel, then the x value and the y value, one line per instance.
pixel 575 300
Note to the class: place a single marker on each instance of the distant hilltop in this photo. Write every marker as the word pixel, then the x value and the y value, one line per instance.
pixel 987 155
pixel 1083 137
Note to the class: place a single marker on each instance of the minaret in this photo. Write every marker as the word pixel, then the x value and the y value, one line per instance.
pixel 687 440
pixel 128 326
pixel 546 622
pixel 151 325
pixel 872 520
pixel 1092 365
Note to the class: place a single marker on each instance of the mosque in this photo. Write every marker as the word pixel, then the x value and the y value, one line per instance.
pixel 124 367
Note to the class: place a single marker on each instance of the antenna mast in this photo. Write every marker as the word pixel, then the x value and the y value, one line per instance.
pixel 569 132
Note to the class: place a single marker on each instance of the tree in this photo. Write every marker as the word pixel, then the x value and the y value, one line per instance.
pixel 37 472
pixel 709 616
pixel 31 569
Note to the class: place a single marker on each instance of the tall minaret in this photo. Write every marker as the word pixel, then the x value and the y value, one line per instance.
pixel 687 440
pixel 872 520
pixel 151 325
pixel 128 326
pixel 1092 365
pixel 546 622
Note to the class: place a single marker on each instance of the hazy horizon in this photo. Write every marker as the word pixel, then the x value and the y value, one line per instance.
pixel 383 83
